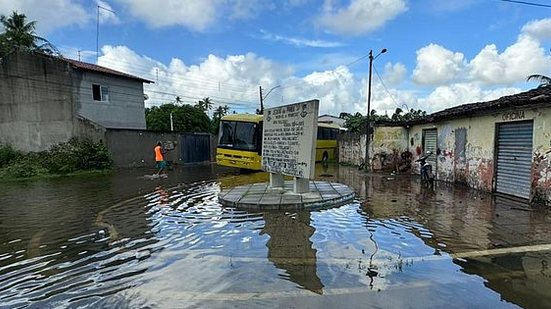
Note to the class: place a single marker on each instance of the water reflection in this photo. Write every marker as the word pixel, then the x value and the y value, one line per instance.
pixel 290 247
pixel 96 242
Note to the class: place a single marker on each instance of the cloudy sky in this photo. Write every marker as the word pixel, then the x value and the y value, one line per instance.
pixel 441 53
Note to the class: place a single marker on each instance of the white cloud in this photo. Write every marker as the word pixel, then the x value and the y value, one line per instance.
pixel 49 15
pixel 232 80
pixel 192 14
pixel 106 13
pixel 461 93
pixel 436 65
pixel 299 42
pixel 394 73
pixel 195 15
pixel 523 58
pixel 360 16
pixel 538 29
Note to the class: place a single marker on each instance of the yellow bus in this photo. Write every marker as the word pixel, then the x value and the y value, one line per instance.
pixel 240 141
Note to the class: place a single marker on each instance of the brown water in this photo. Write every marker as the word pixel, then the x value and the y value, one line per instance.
pixel 127 241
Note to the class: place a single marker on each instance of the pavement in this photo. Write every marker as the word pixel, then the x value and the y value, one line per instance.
pixel 261 197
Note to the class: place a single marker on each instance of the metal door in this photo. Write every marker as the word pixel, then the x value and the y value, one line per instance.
pixel 430 142
pixel 514 158
pixel 195 148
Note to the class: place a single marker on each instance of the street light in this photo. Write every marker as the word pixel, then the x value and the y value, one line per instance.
pixel 371 58
pixel 262 98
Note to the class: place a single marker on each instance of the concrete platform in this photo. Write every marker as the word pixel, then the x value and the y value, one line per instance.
pixel 260 197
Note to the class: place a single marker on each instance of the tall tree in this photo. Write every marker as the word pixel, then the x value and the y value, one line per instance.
pixel 18 34
pixel 186 118
pixel 218 113
pixel 542 79
pixel 205 104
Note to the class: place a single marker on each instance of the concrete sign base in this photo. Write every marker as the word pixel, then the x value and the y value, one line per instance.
pixel 263 196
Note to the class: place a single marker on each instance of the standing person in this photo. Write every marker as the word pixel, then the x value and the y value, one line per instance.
pixel 160 158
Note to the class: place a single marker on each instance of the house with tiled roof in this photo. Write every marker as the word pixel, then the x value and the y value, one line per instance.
pixel 45 100
pixel 501 145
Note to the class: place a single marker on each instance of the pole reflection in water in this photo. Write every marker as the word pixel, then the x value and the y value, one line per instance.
pixel 290 247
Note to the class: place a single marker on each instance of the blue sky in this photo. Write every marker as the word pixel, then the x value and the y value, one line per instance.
pixel 441 53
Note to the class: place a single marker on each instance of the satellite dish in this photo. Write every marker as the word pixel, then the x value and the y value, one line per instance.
pixel 145 96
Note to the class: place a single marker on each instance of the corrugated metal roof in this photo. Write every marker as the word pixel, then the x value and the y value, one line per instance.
pixel 96 68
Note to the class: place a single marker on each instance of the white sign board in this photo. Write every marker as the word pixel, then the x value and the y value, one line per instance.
pixel 289 139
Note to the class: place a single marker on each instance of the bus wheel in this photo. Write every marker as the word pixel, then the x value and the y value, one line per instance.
pixel 325 157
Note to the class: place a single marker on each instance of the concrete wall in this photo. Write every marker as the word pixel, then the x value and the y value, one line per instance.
pixel 125 108
pixel 351 148
pixel 36 102
pixel 466 150
pixel 388 149
pixel 84 128
pixel 134 148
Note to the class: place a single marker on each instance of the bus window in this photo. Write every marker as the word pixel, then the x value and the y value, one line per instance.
pixel 245 137
pixel 333 133
pixel 226 133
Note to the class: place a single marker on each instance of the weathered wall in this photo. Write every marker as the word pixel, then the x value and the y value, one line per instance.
pixel 125 108
pixel 134 148
pixel 466 149
pixel 36 102
pixel 388 149
pixel 85 128
pixel 351 148
pixel 541 161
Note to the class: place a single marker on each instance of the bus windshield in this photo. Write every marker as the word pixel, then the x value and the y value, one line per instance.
pixel 238 135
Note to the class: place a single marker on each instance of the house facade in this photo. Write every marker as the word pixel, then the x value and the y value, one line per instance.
pixel 47 100
pixel 500 146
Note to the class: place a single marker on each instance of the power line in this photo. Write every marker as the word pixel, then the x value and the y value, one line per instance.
pixel 384 86
pixel 527 3
pixel 43 85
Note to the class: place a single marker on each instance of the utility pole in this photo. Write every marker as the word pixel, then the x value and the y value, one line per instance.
pixel 262 98
pixel 261 101
pixel 97 30
pixel 368 129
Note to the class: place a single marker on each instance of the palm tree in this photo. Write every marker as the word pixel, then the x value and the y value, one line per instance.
pixel 20 35
pixel 220 111
pixel 542 79
pixel 206 103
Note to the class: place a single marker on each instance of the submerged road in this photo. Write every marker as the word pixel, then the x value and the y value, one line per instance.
pixel 126 240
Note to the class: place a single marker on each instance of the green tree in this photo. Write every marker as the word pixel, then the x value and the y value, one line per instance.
pixel 186 118
pixel 218 113
pixel 397 116
pixel 205 104
pixel 354 123
pixel 542 79
pixel 18 34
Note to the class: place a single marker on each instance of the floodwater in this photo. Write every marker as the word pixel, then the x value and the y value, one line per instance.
pixel 127 241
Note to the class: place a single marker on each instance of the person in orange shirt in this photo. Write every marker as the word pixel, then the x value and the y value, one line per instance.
pixel 160 158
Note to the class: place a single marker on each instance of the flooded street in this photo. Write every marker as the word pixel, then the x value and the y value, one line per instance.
pixel 123 240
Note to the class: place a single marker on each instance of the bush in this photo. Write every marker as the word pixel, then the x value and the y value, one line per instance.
pixel 77 155
pixel 63 158
pixel 7 155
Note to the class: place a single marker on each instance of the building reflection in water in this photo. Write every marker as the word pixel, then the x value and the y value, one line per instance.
pixel 462 220
pixel 290 247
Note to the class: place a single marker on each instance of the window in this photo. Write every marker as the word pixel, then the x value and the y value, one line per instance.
pixel 239 135
pixel 100 93
pixel 327 133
